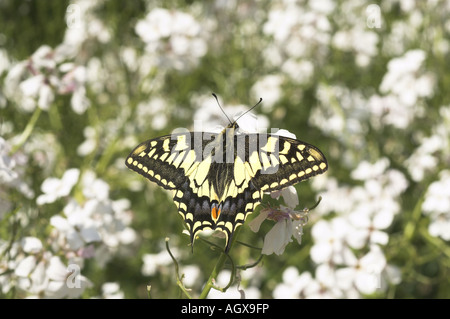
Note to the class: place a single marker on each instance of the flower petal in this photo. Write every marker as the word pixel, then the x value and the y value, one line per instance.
pixel 277 238
pixel 31 245
pixel 255 224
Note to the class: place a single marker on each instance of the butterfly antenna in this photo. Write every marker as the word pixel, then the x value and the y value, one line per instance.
pixel 217 100
pixel 260 100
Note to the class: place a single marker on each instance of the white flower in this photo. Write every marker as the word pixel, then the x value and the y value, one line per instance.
pixel 153 111
pixel 175 38
pixel 11 173
pixel 111 290
pixel 359 40
pixel 423 160
pixel 325 284
pixel 38 277
pixel 32 85
pixel 75 239
pixel 73 82
pixel 440 227
pixel 390 111
pixel 437 206
pixel 31 245
pixel 368 228
pixel 46 97
pixel 278 237
pixel 97 228
pixel 365 273
pixel 192 275
pixel 153 262
pixel 37 80
pixel 65 282
pixel 90 143
pixel 438 195
pixel 7 164
pixel 299 71
pixel 324 6
pixel 289 195
pixel 305 286
pixel 54 188
pixel 269 88
pixel 78 228
pixel 293 284
pixel 5 62
pixel 82 25
pixel 25 266
pixel 40 86
pixel 289 223
pixel 156 25
pixel 94 187
pixel 330 241
pixel 297 31
pixel 79 101
pixel 403 85
pixel 366 170
pixel 234 291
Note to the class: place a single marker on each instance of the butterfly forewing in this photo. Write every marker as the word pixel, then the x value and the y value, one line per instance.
pixel 155 160
pixel 283 161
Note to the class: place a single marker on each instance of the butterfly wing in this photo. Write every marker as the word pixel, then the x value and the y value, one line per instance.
pixel 281 161
pixel 262 163
pixel 162 159
pixel 179 162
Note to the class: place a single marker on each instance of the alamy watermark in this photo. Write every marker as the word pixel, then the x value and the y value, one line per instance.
pixel 373 14
pixel 73 16
pixel 73 279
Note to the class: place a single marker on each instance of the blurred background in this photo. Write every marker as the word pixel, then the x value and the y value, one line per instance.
pixel 83 82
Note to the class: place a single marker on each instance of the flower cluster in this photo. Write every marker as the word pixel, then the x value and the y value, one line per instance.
pixel 404 86
pixel 95 228
pixel 39 272
pixel 12 173
pixel 432 150
pixel 173 39
pixel 361 223
pixel 46 74
pixel 437 205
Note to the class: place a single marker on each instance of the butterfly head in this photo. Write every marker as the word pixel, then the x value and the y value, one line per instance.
pixel 233 124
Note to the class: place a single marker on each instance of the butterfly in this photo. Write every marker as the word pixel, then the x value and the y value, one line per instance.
pixel 218 179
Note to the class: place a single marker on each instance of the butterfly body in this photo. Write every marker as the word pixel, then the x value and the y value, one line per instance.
pixel 217 180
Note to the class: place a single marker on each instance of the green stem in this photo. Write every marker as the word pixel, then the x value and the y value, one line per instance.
pixel 149 287
pixel 247 266
pixel 27 131
pixel 107 155
pixel 410 227
pixel 441 246
pixel 217 268
pixel 179 280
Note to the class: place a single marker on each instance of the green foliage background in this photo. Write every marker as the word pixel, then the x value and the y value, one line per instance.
pixel 230 71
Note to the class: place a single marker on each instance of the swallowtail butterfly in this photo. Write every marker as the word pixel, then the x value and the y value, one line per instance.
pixel 217 180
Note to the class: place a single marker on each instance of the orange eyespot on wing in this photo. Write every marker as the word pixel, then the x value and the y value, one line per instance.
pixel 215 213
